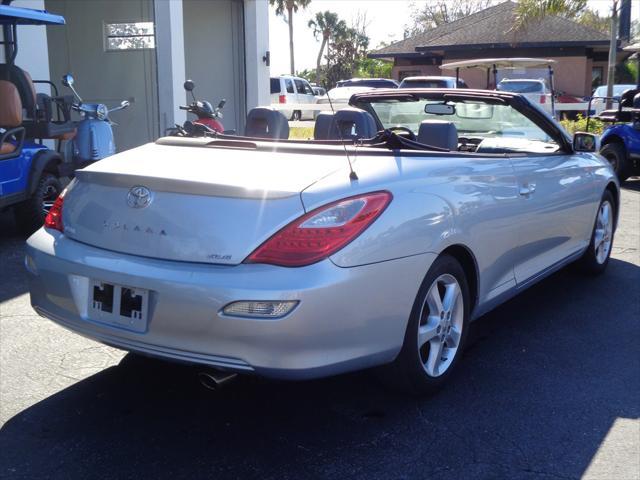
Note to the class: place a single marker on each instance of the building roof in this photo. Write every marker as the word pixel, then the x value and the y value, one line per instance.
pixel 492 27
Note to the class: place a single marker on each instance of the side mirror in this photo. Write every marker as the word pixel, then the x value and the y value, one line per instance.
pixel 67 80
pixel 125 103
pixel 585 142
pixel 189 85
pixel 222 102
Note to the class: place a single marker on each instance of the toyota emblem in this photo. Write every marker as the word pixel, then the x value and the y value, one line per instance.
pixel 139 197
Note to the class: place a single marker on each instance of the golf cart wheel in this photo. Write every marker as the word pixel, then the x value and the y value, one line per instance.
pixel 30 213
pixel 296 115
pixel 616 154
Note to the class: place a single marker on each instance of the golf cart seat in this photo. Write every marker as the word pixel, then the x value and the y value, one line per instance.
pixel 12 137
pixel 614 115
pixel 38 119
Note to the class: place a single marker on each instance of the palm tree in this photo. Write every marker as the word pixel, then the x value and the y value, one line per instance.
pixel 532 10
pixel 325 24
pixel 290 6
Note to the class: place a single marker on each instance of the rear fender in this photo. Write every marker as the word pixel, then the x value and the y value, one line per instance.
pixel 616 133
pixel 46 160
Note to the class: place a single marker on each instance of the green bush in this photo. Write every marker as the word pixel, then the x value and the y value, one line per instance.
pixel 580 125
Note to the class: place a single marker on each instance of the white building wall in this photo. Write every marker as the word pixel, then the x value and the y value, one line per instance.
pixel 256 31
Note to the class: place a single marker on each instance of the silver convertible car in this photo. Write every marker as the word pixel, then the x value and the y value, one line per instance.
pixel 376 243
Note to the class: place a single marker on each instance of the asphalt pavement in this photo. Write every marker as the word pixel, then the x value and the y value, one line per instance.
pixel 549 388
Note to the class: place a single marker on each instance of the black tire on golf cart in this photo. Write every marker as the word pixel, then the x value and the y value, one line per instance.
pixel 30 214
pixel 296 115
pixel 616 154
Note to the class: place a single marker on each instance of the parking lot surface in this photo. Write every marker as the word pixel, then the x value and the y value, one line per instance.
pixel 549 388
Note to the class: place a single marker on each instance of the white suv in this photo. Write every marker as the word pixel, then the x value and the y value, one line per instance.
pixel 290 89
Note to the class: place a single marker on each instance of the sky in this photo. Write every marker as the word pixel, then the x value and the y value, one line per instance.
pixel 386 21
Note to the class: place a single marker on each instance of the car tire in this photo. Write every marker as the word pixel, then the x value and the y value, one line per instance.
pixel 436 332
pixel 616 154
pixel 296 116
pixel 595 259
pixel 30 214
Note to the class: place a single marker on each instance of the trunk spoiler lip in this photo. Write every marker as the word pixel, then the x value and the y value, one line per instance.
pixel 172 185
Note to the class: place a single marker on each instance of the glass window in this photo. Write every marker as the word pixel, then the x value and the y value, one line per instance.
pixel 495 128
pixel 424 84
pixel 521 86
pixel 307 88
pixel 597 74
pixel 289 85
pixel 275 85
pixel 299 85
pixel 129 36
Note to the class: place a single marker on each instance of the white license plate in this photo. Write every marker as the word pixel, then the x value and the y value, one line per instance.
pixel 119 306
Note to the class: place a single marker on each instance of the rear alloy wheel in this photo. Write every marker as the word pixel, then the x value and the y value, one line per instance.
pixel 436 331
pixel 596 258
pixel 616 154
pixel 296 115
pixel 30 214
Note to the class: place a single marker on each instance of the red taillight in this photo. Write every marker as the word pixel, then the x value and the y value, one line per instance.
pixel 321 232
pixel 543 99
pixel 54 217
pixel 282 99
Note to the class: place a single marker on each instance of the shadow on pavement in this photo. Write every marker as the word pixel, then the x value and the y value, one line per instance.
pixel 632 183
pixel 543 380
pixel 13 280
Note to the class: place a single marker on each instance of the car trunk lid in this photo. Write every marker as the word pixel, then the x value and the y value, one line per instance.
pixel 193 204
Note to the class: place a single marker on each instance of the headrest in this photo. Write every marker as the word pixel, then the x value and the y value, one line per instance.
pixel 10 105
pixel 22 81
pixel 349 123
pixel 321 129
pixel 263 122
pixel 438 133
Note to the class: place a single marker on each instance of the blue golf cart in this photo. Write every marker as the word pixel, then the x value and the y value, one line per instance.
pixel 620 141
pixel 31 173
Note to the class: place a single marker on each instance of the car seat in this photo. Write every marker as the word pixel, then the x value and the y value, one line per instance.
pixel 38 112
pixel 438 133
pixel 12 138
pixel 263 122
pixel 349 123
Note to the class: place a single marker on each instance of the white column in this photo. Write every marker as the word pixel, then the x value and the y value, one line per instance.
pixel 171 64
pixel 256 40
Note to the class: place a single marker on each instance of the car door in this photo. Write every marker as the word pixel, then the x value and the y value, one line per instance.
pixel 557 205
pixel 305 95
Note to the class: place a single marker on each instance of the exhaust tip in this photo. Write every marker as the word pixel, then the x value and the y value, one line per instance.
pixel 215 379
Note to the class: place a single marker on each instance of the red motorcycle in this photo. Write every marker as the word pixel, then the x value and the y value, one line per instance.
pixel 207 115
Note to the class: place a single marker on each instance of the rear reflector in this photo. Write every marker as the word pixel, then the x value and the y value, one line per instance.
pixel 321 232
pixel 543 99
pixel 260 309
pixel 54 217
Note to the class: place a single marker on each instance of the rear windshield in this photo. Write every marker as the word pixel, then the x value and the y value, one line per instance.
pixel 275 85
pixel 520 87
pixel 424 84
pixel 368 83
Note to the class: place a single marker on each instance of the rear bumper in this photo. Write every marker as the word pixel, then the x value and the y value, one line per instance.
pixel 346 319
